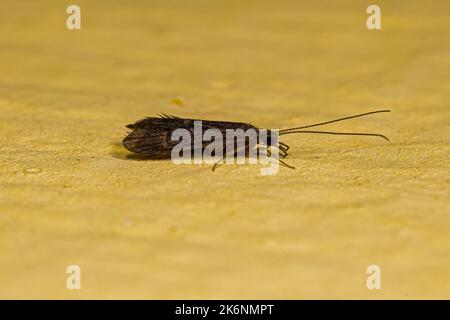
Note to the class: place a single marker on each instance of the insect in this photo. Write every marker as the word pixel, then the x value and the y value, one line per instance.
pixel 152 137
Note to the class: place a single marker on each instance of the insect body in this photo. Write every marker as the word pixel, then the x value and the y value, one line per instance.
pixel 152 137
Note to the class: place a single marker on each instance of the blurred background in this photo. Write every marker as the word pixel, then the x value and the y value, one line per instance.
pixel 70 195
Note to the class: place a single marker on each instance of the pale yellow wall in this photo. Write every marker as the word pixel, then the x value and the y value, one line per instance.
pixel 150 229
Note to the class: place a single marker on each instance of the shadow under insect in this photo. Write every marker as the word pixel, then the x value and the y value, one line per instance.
pixel 119 152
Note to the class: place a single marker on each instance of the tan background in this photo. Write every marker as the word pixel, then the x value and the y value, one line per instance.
pixel 150 229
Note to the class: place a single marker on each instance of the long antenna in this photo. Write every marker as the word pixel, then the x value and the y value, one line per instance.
pixel 332 121
pixel 338 133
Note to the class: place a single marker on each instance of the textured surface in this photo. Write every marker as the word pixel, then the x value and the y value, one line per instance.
pixel 150 229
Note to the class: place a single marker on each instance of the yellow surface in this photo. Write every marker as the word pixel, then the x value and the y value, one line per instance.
pixel 150 229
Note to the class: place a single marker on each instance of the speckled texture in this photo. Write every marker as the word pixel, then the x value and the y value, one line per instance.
pixel 150 229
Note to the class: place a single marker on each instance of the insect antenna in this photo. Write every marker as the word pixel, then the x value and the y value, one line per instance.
pixel 332 121
pixel 338 133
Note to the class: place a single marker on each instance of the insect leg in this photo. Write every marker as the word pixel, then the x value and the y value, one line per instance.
pixel 232 152
pixel 283 152
pixel 280 161
pixel 286 147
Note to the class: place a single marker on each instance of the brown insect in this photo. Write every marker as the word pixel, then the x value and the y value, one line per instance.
pixel 152 137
